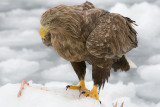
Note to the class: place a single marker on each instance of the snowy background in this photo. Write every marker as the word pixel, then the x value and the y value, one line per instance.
pixel 22 54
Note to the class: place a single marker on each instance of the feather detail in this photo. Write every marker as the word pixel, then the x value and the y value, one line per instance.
pixel 131 63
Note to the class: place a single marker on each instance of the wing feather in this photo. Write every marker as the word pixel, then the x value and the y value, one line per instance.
pixel 112 37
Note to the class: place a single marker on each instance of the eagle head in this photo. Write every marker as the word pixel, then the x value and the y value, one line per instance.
pixel 61 20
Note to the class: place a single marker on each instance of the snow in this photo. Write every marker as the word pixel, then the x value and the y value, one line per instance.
pixel 154 59
pixel 29 54
pixel 21 38
pixel 150 72
pixel 55 73
pixel 22 55
pixel 56 95
pixel 20 67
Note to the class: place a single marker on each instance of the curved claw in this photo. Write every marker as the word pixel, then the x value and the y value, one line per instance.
pixel 80 87
pixel 100 102
pixel 67 87
pixel 83 92
pixel 92 93
pixel 87 95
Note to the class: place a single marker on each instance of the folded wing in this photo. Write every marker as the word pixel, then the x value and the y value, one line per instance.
pixel 112 37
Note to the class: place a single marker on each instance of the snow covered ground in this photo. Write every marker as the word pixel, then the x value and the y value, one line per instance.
pixel 22 55
pixel 57 96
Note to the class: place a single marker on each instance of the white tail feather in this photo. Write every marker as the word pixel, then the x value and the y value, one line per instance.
pixel 131 64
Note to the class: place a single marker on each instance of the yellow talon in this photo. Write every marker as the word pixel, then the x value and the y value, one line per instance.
pixel 80 87
pixel 92 93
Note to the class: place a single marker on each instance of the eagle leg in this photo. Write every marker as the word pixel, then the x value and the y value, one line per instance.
pixel 80 87
pixel 92 93
pixel 99 76
pixel 80 70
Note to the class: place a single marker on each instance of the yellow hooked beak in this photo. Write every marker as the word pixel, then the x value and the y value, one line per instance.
pixel 43 31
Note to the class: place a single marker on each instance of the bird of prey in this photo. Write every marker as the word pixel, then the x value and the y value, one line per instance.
pixel 83 33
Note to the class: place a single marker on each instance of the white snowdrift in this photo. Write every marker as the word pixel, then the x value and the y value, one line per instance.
pixel 57 96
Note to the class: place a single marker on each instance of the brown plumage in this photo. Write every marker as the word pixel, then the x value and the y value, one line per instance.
pixel 84 33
